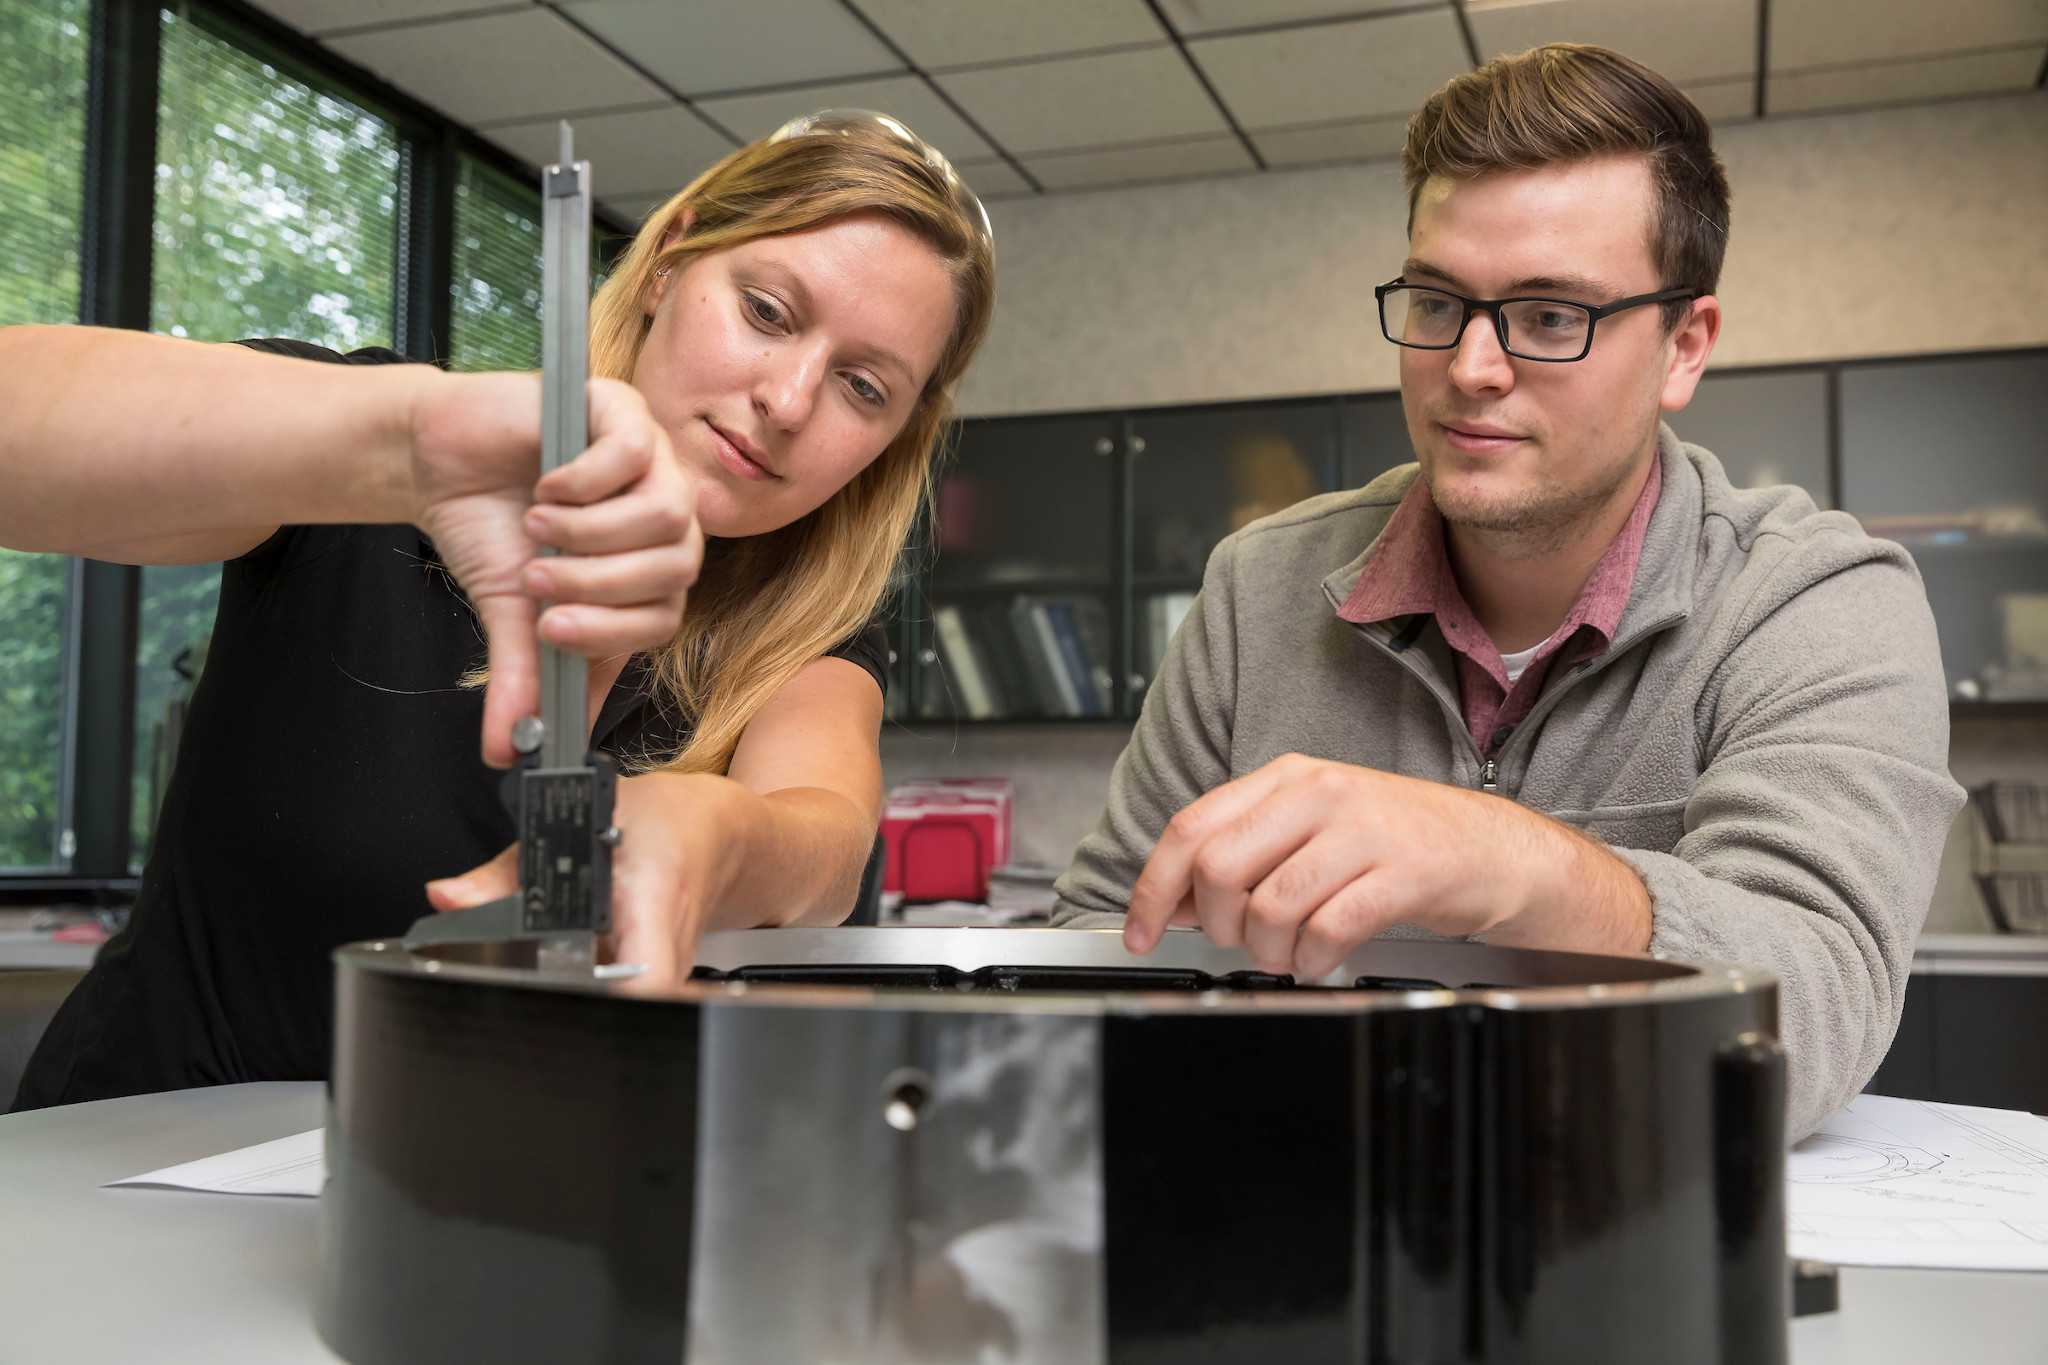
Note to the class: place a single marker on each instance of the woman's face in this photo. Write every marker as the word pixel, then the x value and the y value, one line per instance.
pixel 781 367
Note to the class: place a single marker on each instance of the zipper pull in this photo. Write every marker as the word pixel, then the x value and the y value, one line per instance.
pixel 1489 777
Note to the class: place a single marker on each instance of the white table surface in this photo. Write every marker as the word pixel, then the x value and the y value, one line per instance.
pixel 36 948
pixel 167 1276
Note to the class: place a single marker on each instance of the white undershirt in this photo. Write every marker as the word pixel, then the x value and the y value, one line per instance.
pixel 1516 663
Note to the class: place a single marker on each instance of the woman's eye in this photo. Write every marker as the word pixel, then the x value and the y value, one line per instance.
pixel 866 392
pixel 762 310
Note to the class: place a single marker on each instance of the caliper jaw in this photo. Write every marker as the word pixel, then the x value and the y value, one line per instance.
pixel 566 838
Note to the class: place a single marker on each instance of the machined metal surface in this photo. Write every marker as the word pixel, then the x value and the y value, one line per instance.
pixel 564 377
pixel 1028 1145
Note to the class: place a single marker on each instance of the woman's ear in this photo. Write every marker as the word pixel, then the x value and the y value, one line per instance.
pixel 657 287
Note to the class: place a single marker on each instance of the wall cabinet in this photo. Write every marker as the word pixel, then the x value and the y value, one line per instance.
pixel 1068 549
pixel 1950 459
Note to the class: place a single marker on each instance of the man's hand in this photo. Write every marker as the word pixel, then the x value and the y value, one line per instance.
pixel 1303 860
pixel 622 514
pixel 670 873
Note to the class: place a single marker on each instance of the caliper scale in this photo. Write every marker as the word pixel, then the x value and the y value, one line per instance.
pixel 561 793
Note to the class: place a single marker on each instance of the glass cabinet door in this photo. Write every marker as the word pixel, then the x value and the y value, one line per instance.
pixel 1950 459
pixel 1375 435
pixel 1018 619
pixel 1764 428
pixel 1198 476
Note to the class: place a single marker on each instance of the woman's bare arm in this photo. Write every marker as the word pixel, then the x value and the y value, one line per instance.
pixel 811 757
pixel 145 449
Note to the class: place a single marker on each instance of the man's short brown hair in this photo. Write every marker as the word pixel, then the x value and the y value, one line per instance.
pixel 1567 101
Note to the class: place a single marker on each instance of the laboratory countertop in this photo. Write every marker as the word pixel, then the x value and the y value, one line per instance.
pixel 172 1276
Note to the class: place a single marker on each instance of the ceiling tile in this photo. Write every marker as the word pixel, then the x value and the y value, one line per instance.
pixel 324 16
pixel 1684 40
pixel 1901 82
pixel 1724 101
pixel 645 152
pixel 1204 16
pixel 1364 69
pixel 955 32
pixel 705 45
pixel 1157 161
pixel 500 66
pixel 1332 142
pixel 1822 32
pixel 994 179
pixel 1087 101
pixel 905 98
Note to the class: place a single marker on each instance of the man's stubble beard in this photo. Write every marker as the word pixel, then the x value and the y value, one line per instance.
pixel 1534 522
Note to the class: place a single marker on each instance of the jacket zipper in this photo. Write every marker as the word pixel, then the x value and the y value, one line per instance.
pixel 1548 702
pixel 1489 769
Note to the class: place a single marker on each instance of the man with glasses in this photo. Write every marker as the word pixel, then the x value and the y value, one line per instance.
pixel 1558 683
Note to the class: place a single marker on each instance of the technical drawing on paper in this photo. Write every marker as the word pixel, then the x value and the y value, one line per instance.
pixel 1912 1183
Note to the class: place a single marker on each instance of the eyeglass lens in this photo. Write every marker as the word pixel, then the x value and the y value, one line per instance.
pixel 1537 329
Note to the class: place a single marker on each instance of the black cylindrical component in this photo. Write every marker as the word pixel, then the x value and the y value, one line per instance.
pixel 511 1175
pixel 1028 1143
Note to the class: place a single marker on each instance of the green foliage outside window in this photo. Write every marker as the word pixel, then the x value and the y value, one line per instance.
pixel 32 589
pixel 42 156
pixel 276 215
pixel 495 310
pixel 276 211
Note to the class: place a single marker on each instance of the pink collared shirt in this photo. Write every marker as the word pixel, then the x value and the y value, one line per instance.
pixel 1410 574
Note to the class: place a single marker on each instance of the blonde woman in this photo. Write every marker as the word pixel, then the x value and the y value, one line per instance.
pixel 776 354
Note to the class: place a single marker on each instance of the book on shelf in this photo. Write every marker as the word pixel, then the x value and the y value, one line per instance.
pixel 1072 659
pixel 1031 655
pixel 1003 668
pixel 1044 639
pixel 964 663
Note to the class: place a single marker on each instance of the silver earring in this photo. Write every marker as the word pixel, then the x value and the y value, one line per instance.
pixel 662 271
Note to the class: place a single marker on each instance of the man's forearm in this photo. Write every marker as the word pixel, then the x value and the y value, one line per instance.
pixel 116 437
pixel 1573 893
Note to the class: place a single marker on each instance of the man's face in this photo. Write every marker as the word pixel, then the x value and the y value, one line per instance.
pixel 1526 449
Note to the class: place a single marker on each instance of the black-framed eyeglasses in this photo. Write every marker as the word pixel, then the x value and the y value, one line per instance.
pixel 1550 330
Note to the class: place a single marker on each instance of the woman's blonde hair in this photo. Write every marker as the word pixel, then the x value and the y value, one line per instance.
pixel 768 604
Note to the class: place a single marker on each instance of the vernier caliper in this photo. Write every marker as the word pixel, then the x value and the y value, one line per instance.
pixel 561 792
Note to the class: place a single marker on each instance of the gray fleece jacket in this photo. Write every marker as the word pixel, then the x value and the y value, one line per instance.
pixel 1766 742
